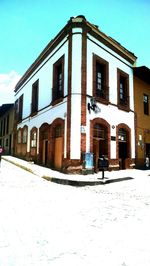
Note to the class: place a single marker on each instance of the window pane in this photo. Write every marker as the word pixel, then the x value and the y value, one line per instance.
pixel 33 139
pixel 58 131
pixel 146 104
pixel 122 135
pixel 35 88
pixel 24 136
pixel 99 131
pixel 19 136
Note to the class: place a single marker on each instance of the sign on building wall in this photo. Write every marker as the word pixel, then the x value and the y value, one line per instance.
pixel 88 160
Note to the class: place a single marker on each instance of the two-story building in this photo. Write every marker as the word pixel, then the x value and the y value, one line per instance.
pixel 6 127
pixel 77 99
pixel 142 111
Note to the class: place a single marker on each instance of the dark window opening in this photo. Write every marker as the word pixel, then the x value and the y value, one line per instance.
pixel 34 104
pixel 146 104
pixel 100 79
pixel 20 108
pixel 7 125
pixel 58 80
pixel 122 135
pixel 123 89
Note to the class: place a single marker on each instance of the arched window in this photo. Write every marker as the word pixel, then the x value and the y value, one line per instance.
pixel 19 136
pixel 58 131
pixel 100 138
pixel 24 135
pixel 100 132
pixel 122 135
pixel 33 139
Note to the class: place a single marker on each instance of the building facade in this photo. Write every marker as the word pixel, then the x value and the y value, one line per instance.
pixel 77 99
pixel 6 127
pixel 142 111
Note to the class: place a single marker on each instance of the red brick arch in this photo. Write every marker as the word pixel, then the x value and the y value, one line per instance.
pixel 104 123
pixel 44 132
pixel 33 150
pixel 128 130
pixel 53 126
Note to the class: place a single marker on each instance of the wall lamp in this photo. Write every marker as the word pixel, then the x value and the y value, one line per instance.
pixel 93 106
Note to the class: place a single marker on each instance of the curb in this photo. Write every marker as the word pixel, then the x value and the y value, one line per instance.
pixel 62 181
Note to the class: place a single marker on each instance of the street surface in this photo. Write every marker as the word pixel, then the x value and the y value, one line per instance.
pixel 43 223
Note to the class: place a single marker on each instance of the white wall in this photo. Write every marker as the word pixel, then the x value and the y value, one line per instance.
pixel 110 112
pixel 44 73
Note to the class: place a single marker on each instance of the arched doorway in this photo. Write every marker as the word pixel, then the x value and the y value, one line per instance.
pixel 43 145
pixel 100 142
pixel 58 146
pixel 123 147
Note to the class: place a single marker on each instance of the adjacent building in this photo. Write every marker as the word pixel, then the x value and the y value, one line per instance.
pixel 6 127
pixel 76 102
pixel 142 111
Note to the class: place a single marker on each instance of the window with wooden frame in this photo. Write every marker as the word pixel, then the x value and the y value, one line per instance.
pixel 100 132
pixel 24 135
pixel 7 125
pixel 58 80
pixel 146 104
pixel 20 111
pixel 122 135
pixel 100 79
pixel 19 108
pixel 1 126
pixel 35 92
pixel 58 131
pixel 19 136
pixel 123 89
pixel 33 139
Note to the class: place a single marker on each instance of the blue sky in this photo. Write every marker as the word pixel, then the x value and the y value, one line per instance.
pixel 26 27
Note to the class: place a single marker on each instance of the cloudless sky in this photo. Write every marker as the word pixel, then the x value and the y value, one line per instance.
pixel 26 27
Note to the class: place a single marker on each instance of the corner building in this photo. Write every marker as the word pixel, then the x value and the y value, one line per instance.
pixel 77 98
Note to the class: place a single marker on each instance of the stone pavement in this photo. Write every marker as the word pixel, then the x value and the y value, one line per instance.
pixel 75 179
pixel 43 223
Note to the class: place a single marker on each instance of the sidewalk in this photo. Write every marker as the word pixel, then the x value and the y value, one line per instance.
pixel 76 179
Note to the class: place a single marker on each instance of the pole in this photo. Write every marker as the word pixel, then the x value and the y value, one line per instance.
pixel 103 173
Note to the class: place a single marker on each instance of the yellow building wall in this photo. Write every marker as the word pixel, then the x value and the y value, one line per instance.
pixel 142 121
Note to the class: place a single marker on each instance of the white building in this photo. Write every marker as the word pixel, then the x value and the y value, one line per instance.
pixel 76 99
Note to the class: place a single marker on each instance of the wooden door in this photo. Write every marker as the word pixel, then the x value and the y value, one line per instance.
pixel 96 152
pixel 58 153
pixel 45 151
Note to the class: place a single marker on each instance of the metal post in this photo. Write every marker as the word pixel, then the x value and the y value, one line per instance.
pixel 103 173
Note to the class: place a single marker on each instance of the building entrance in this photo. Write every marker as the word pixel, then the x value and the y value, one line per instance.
pixel 123 148
pixel 100 143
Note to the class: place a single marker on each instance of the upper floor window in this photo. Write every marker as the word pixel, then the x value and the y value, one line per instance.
pixel 58 79
pixel 7 125
pixel 146 104
pixel 123 89
pixel 19 108
pixel 1 126
pixel 4 125
pixel 100 79
pixel 35 92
